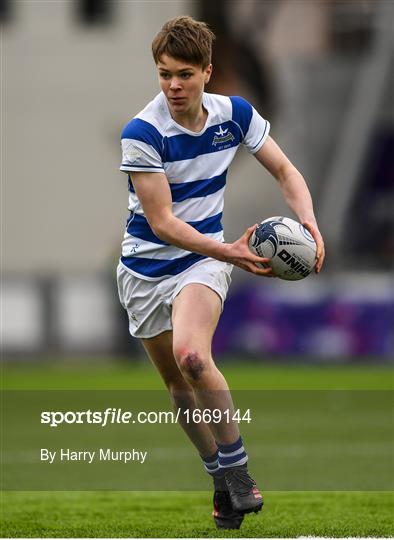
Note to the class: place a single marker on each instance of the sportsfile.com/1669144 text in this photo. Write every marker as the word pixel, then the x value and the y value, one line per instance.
pixel 113 415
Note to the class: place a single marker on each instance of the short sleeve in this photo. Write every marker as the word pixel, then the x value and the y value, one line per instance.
pixel 141 147
pixel 254 128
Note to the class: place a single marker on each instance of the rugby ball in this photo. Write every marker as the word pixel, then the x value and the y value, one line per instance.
pixel 289 246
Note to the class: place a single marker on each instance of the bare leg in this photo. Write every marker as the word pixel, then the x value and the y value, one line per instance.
pixel 196 312
pixel 160 352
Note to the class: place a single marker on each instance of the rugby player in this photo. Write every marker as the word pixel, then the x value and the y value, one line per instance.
pixel 174 271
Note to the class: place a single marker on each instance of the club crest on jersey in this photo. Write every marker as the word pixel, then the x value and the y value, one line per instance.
pixel 222 136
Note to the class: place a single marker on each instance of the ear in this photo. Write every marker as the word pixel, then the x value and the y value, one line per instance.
pixel 208 73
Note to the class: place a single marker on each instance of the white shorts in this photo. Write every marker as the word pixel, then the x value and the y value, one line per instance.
pixel 149 303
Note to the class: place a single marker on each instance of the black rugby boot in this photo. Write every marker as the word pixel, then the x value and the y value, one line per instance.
pixel 245 495
pixel 223 513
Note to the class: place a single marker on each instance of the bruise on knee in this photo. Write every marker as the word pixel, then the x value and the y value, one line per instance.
pixel 193 365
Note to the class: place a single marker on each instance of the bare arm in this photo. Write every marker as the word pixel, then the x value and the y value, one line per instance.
pixel 294 189
pixel 154 195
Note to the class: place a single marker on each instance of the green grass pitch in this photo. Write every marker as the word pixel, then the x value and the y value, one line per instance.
pixel 160 515
pixel 188 514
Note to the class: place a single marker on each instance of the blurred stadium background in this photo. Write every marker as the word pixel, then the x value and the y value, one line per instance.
pixel 73 73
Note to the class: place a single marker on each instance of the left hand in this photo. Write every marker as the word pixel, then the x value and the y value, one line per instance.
pixel 320 251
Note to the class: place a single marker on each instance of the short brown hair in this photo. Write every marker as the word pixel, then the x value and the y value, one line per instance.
pixel 183 38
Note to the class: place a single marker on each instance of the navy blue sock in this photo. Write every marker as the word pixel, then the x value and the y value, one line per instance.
pixel 211 464
pixel 232 455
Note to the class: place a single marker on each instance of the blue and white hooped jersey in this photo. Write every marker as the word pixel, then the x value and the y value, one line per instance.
pixel 195 165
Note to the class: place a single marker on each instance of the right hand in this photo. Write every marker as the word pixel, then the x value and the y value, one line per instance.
pixel 239 254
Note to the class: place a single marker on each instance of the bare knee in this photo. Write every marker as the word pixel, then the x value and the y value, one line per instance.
pixel 192 365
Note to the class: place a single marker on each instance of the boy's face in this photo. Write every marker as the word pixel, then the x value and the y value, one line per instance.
pixel 182 83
